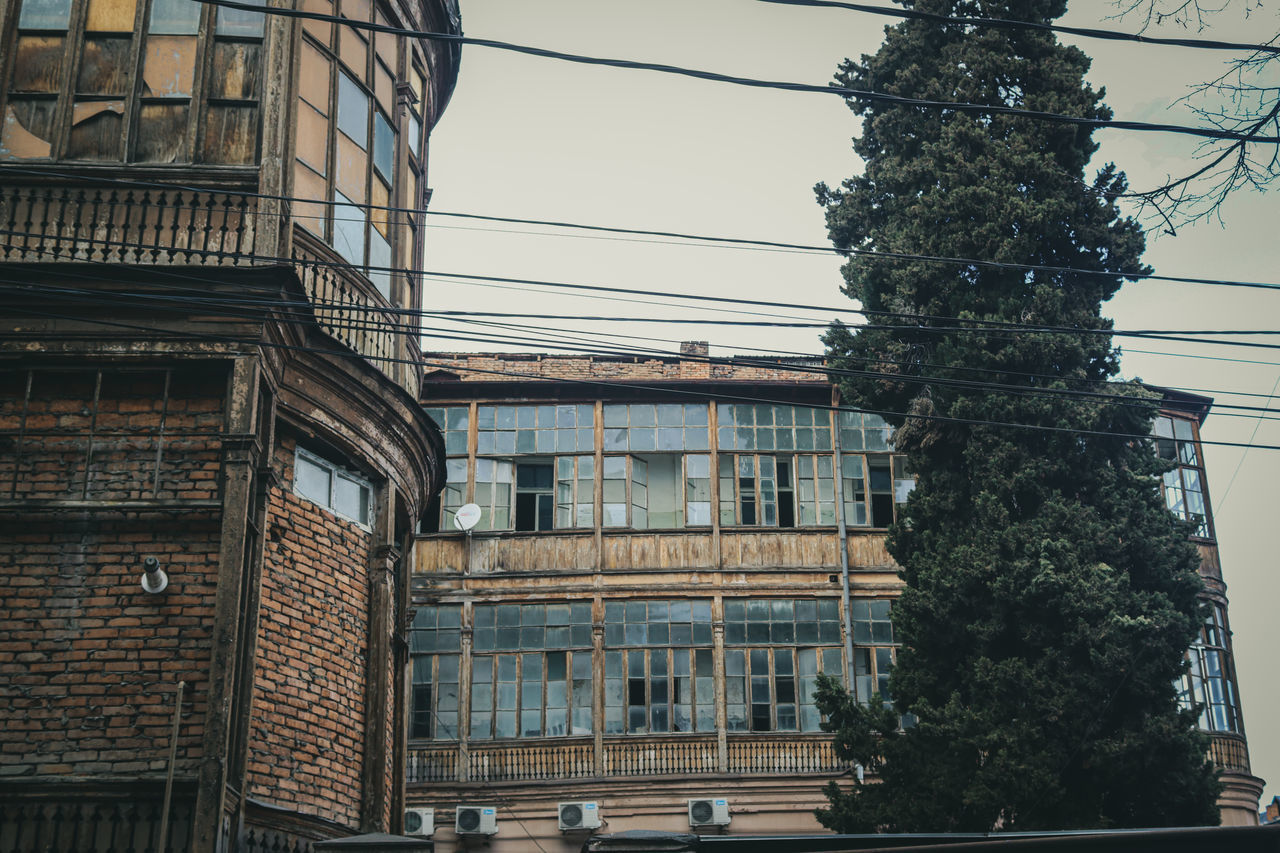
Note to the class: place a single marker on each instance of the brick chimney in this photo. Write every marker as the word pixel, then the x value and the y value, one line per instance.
pixel 695 369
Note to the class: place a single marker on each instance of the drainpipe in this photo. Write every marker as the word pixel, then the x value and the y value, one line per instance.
pixel 842 535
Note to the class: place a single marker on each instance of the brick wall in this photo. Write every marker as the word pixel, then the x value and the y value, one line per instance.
pixel 89 663
pixel 505 367
pixel 307 736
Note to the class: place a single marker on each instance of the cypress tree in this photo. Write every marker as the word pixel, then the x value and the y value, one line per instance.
pixel 1050 596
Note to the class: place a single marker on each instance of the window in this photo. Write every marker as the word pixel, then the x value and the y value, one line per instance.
pixel 1184 484
pixel 658 667
pixel 874 488
pixel 785 490
pixel 772 685
pixel 656 426
pixel 874 648
pixel 452 422
pixel 1208 684
pixel 575 491
pixel 328 485
pixel 435 643
pixel 531 675
pixel 663 490
pixel 132 95
pixel 535 429
pixel 764 427
pixel 347 139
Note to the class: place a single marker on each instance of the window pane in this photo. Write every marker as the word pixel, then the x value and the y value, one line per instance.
pixel 46 14
pixel 353 110
pixel 384 146
pixel 174 17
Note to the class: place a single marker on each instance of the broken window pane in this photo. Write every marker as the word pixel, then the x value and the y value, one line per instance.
pixel 230 135
pixel 348 229
pixel 168 71
pixel 384 146
pixel 45 14
pixel 28 127
pixel 162 133
pixel 380 256
pixel 238 22
pixel 313 135
pixel 175 17
pixel 105 67
pixel 38 66
pixel 313 78
pixel 235 70
pixel 111 16
pixel 352 163
pixel 353 110
pixel 97 130
pixel 308 185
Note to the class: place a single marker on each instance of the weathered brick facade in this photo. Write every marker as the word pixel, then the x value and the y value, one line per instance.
pixel 312 652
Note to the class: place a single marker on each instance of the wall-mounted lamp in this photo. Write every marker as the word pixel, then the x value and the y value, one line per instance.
pixel 154 580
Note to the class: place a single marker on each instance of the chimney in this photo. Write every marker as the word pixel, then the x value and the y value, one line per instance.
pixel 699 369
pixel 694 348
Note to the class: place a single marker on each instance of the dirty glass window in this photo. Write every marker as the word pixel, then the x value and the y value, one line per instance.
pixel 452 421
pixel 770 684
pixel 435 646
pixel 744 426
pixel 1208 683
pixel 1185 491
pixel 347 142
pixel 329 485
pixel 541 429
pixel 531 672
pixel 126 89
pixel 656 427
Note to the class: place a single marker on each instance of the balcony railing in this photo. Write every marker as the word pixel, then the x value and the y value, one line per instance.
pixel 43 224
pixel 1229 753
pixel 671 755
pixel 572 551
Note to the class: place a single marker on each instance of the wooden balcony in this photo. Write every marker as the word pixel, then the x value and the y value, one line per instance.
pixel 576 551
pixel 1229 753
pixel 48 223
pixel 630 757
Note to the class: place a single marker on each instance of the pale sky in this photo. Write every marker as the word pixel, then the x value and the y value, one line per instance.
pixel 541 139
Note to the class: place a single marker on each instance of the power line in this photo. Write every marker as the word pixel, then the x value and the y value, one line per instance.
pixel 94 297
pixel 917 319
pixel 842 91
pixel 740 242
pixel 1005 23
pixel 631 386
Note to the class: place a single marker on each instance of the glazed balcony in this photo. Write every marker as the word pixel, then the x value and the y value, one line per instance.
pixel 679 550
pixel 624 757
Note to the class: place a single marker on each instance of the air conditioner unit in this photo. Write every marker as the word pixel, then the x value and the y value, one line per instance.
pixel 579 816
pixel 419 821
pixel 709 812
pixel 476 820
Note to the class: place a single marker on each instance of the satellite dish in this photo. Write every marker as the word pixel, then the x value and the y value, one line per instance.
pixel 467 517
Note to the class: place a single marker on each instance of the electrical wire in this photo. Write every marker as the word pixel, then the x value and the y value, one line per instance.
pixel 1005 23
pixel 160 335
pixel 842 91
pixel 591 345
pixel 737 242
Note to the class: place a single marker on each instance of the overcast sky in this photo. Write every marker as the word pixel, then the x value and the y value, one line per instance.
pixel 540 139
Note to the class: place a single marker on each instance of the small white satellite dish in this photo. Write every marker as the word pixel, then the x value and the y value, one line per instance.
pixel 467 516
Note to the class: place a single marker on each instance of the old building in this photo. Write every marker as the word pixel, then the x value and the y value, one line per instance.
pixel 205 375
pixel 668 552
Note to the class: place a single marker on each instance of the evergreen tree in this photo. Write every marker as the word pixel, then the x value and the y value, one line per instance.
pixel 1050 596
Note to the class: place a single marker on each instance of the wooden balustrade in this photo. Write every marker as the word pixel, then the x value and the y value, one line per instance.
pixel 660 757
pixel 572 760
pixel 47 223
pixel 1229 753
pixel 671 755
pixel 347 306
pixel 681 550
pixel 787 755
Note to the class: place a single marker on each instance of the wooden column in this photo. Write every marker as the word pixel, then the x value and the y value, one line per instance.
pixel 722 717
pixel 383 560
pixel 238 461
